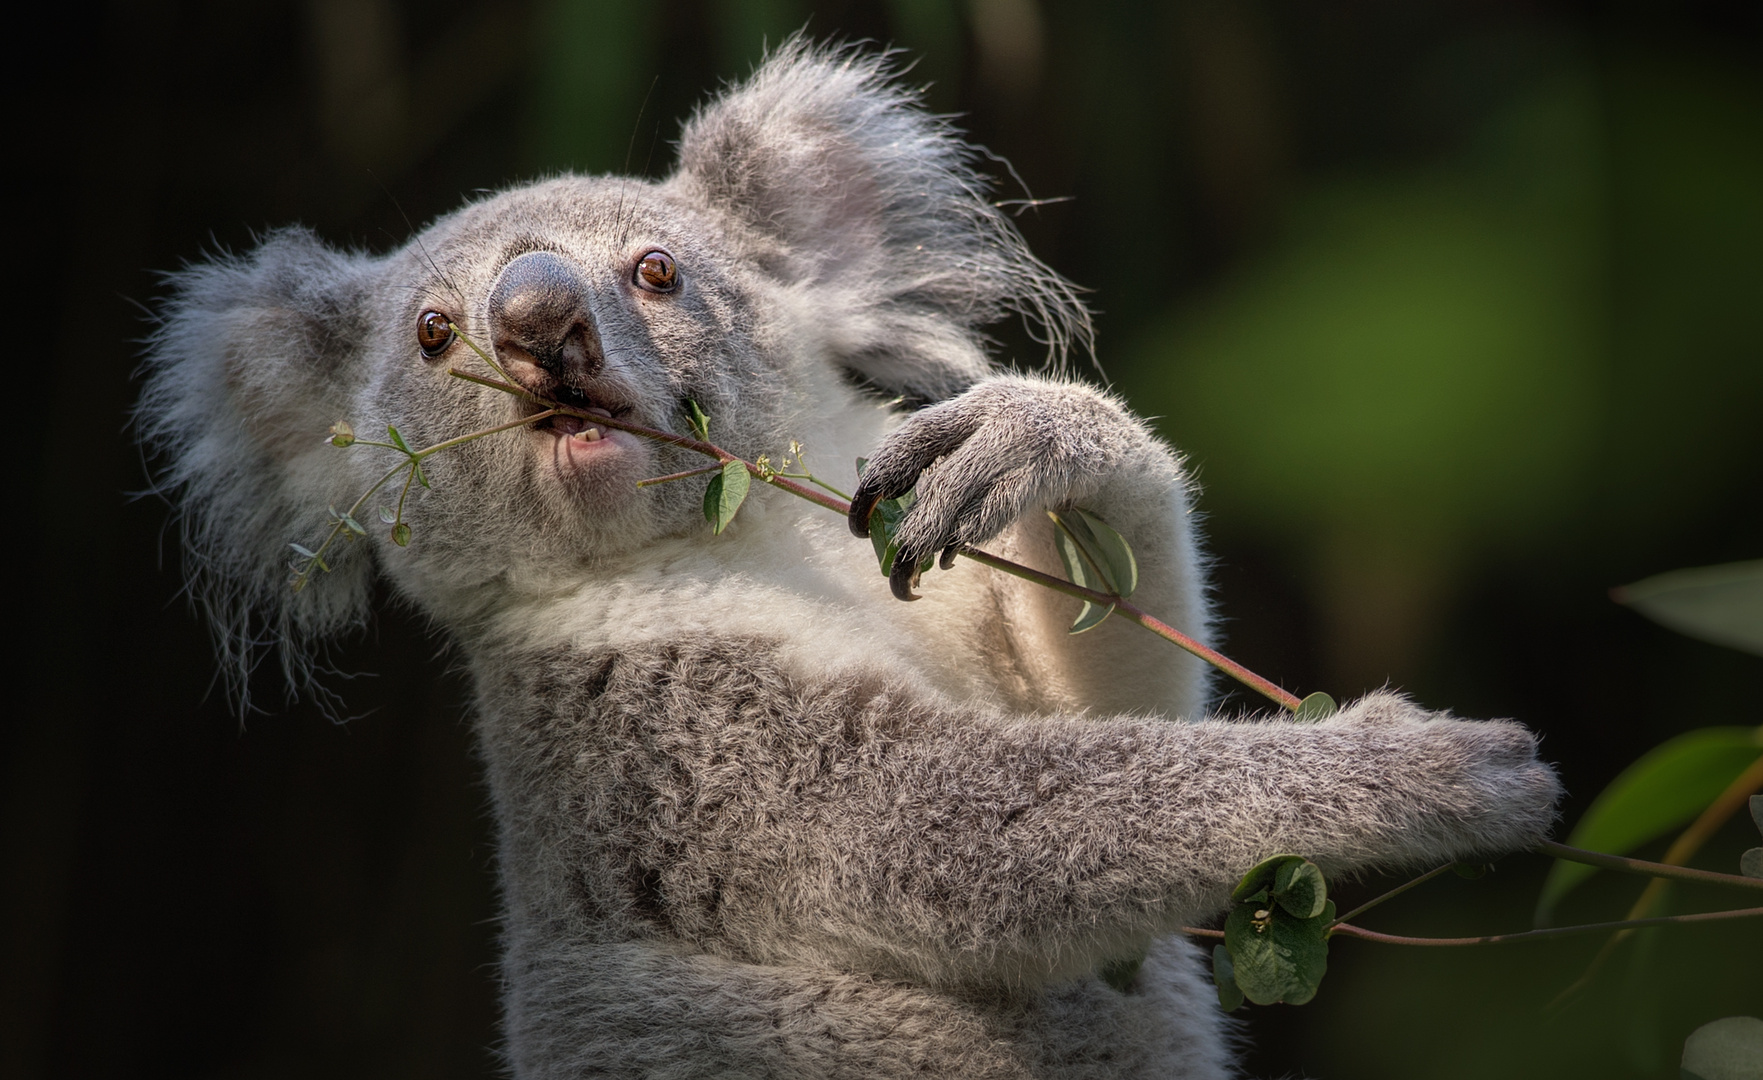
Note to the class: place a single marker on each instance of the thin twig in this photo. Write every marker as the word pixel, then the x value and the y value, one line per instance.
pixel 687 475
pixel 1135 614
pixel 1626 865
pixel 1392 894
pixel 1707 823
pixel 1346 930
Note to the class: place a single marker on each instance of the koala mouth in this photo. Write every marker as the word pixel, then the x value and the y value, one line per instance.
pixel 577 428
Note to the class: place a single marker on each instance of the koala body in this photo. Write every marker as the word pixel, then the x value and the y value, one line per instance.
pixel 757 817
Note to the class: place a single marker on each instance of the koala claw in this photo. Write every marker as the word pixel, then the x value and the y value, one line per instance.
pixel 904 576
pixel 862 505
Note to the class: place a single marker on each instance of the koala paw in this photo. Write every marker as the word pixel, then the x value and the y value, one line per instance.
pixel 1475 787
pixel 982 460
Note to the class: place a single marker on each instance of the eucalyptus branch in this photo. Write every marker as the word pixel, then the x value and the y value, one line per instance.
pixel 413 462
pixel 315 558
pixel 1131 611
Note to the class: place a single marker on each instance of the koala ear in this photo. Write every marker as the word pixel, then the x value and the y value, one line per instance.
pixel 879 214
pixel 248 368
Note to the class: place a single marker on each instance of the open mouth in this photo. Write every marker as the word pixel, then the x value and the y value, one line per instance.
pixel 580 429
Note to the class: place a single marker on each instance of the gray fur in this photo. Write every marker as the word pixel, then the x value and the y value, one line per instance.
pixel 757 818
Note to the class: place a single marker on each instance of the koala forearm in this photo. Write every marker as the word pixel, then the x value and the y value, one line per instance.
pixel 859 823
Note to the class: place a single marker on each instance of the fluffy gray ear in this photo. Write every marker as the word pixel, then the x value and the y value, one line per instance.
pixel 880 213
pixel 248 368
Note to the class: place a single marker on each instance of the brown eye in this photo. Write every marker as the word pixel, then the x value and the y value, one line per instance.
pixel 433 334
pixel 656 272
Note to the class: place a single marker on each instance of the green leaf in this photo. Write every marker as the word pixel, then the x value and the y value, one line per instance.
pixel 1091 616
pixel 1106 559
pixel 1722 604
pixel 397 439
pixel 700 420
pixel 1276 956
pixel 1261 876
pixel 1299 888
pixel 416 467
pixel 1317 706
pixel 1081 571
pixel 1664 790
pixel 727 490
pixel 401 534
pixel 1103 549
pixel 884 525
pixel 1077 569
pixel 342 434
pixel 387 516
pixel 1230 995
pixel 348 522
pixel 304 551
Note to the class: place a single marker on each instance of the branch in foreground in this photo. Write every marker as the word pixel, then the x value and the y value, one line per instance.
pixel 1132 612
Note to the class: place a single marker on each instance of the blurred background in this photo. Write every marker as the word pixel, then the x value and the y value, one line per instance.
pixel 1456 307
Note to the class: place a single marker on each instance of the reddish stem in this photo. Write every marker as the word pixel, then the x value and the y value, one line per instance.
pixel 1127 610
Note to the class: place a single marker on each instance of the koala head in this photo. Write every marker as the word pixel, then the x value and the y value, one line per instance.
pixel 820 231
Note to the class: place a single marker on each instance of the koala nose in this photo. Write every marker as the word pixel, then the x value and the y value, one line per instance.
pixel 539 313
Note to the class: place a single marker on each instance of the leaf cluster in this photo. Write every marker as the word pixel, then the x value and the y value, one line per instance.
pixel 1275 936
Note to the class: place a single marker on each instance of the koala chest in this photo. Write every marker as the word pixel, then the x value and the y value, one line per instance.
pixel 658 790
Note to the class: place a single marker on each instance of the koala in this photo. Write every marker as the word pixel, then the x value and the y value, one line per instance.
pixel 756 816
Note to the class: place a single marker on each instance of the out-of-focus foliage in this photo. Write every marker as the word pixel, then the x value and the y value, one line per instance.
pixel 1550 335
pixel 1661 792
pixel 1722 604
pixel 1419 354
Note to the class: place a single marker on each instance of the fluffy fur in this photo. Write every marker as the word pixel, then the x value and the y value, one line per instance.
pixel 758 818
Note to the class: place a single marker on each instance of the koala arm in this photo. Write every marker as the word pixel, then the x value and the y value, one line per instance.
pixel 987 464
pixel 855 823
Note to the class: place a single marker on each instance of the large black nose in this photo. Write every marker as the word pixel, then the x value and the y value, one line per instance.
pixel 539 313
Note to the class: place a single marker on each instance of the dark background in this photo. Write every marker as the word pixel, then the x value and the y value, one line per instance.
pixel 1456 306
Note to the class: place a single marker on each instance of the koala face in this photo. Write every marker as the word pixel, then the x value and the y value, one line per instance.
pixel 614 296
pixel 820 232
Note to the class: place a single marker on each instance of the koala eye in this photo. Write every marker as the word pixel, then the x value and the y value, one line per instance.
pixel 656 272
pixel 433 335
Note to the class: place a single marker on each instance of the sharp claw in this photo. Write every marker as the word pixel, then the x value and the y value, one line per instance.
pixel 862 506
pixel 947 562
pixel 905 576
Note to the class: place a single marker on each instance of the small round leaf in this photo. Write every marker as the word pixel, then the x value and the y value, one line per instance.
pixel 1299 888
pixel 727 490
